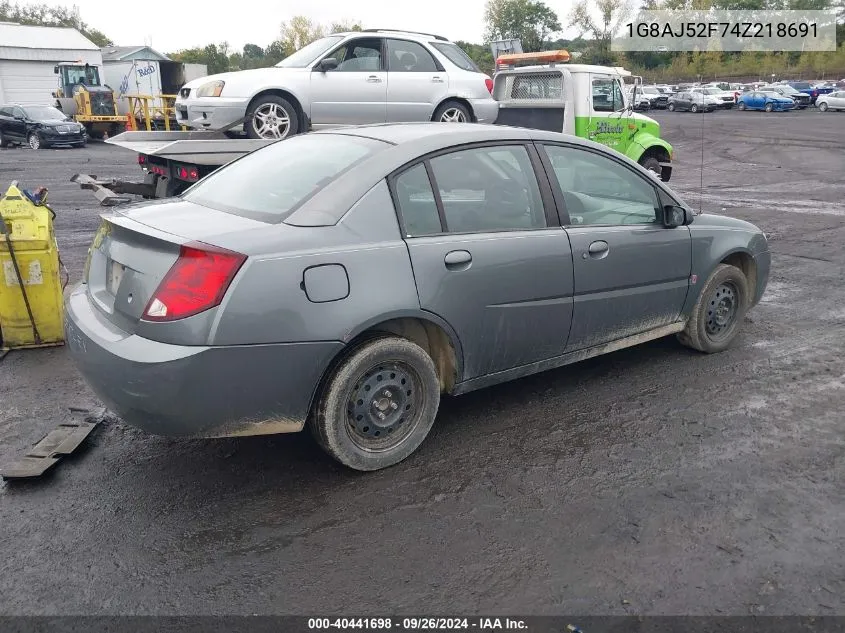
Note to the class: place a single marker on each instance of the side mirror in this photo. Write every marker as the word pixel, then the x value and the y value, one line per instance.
pixel 56 70
pixel 675 216
pixel 329 63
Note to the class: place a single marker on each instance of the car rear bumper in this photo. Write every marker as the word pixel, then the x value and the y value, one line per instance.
pixel 195 391
pixel 485 110
pixel 214 113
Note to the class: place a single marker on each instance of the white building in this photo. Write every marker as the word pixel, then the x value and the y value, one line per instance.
pixel 28 55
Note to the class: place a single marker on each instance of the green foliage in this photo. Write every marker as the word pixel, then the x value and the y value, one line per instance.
pixel 46 15
pixel 529 20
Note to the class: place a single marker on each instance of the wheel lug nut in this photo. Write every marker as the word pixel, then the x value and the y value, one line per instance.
pixel 387 394
pixel 394 406
pixel 381 416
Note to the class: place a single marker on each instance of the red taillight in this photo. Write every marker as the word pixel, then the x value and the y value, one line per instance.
pixel 189 174
pixel 142 160
pixel 489 83
pixel 196 282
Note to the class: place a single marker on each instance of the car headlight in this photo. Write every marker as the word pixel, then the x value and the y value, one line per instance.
pixel 211 89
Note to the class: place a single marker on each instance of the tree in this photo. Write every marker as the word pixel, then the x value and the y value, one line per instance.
pixel 214 56
pixel 531 21
pixel 344 26
pixel 601 19
pixel 45 15
pixel 300 31
pixel 480 54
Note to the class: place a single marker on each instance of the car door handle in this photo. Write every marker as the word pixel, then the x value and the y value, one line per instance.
pixel 437 80
pixel 458 260
pixel 598 250
pixel 373 79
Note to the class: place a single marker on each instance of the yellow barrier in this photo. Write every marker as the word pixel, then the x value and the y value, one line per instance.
pixel 31 302
pixel 149 108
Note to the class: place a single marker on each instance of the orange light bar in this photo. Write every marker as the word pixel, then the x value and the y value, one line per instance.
pixel 543 57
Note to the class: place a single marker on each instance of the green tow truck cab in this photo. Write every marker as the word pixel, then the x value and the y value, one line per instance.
pixel 580 99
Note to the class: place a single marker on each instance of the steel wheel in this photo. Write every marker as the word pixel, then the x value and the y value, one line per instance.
pixel 271 121
pixel 453 115
pixel 722 311
pixel 383 407
pixel 34 141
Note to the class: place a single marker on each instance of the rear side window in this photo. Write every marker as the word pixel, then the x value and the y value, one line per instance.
pixel 417 203
pixel 409 57
pixel 270 183
pixel 456 55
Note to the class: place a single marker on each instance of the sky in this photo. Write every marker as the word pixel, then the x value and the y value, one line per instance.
pixel 258 21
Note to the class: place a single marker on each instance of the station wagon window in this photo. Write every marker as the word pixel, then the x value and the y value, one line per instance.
pixel 359 55
pixel 597 190
pixel 409 57
pixel 607 96
pixel 488 189
pixel 456 55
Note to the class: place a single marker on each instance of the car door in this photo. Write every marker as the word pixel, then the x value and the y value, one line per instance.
pixel 685 100
pixel 608 121
pixel 416 82
pixel 631 273
pixel 355 92
pixel 18 124
pixel 487 254
pixel 837 99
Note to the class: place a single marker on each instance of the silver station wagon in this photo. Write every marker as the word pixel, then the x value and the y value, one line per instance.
pixel 346 279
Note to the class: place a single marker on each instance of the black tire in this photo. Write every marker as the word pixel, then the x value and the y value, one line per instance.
pixel 769 107
pixel 652 164
pixel 34 141
pixel 823 107
pixel 281 118
pixel 741 105
pixel 693 107
pixel 671 107
pixel 348 428
pixel 452 112
pixel 3 141
pixel 718 312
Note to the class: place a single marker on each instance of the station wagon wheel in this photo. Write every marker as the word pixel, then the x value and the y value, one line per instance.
pixel 452 112
pixel 718 312
pixel 378 404
pixel 271 117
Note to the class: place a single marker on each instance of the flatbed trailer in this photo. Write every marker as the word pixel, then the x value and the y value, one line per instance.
pixel 171 161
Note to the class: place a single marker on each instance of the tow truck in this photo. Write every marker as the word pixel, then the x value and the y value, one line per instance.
pixel 535 90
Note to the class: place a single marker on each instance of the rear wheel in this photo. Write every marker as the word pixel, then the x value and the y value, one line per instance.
pixel 452 112
pixel 718 312
pixel 271 117
pixel 741 105
pixel 34 141
pixel 823 107
pixel 378 405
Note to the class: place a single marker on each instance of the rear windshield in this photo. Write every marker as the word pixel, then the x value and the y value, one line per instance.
pixel 456 55
pixel 270 183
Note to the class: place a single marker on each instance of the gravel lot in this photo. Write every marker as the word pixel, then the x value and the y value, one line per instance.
pixel 654 480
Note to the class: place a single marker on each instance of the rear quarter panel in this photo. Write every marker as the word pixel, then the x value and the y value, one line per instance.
pixel 270 304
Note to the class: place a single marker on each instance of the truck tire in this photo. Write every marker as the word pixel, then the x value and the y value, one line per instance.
pixel 378 404
pixel 271 117
pixel 652 164
pixel 452 112
pixel 718 312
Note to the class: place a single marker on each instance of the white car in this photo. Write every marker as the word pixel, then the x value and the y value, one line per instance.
pixel 361 77
pixel 726 99
pixel 832 101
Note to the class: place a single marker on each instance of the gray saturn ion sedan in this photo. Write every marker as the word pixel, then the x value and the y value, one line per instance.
pixel 346 279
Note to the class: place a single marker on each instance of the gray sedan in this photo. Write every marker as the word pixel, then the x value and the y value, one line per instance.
pixel 345 280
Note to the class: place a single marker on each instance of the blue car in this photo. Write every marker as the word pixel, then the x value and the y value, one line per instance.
pixel 765 100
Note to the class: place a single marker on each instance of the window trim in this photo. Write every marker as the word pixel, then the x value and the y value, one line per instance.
pixel 546 192
pixel 347 42
pixel 437 64
pixel 660 193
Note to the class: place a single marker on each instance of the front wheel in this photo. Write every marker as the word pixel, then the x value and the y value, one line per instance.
pixel 652 164
pixel 823 107
pixel 34 141
pixel 741 105
pixel 671 107
pixel 718 312
pixel 452 112
pixel 378 405
pixel 271 117
pixel 769 107
pixel 693 108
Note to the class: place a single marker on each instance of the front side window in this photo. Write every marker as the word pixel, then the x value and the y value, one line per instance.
pixel 488 189
pixel 597 190
pixel 360 55
pixel 409 57
pixel 311 53
pixel 270 183
pixel 607 96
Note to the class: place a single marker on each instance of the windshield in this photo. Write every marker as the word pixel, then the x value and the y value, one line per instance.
pixel 44 113
pixel 311 53
pixel 456 55
pixel 650 91
pixel 270 183
pixel 789 90
pixel 771 93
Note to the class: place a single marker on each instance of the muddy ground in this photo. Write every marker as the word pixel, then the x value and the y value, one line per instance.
pixel 654 480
